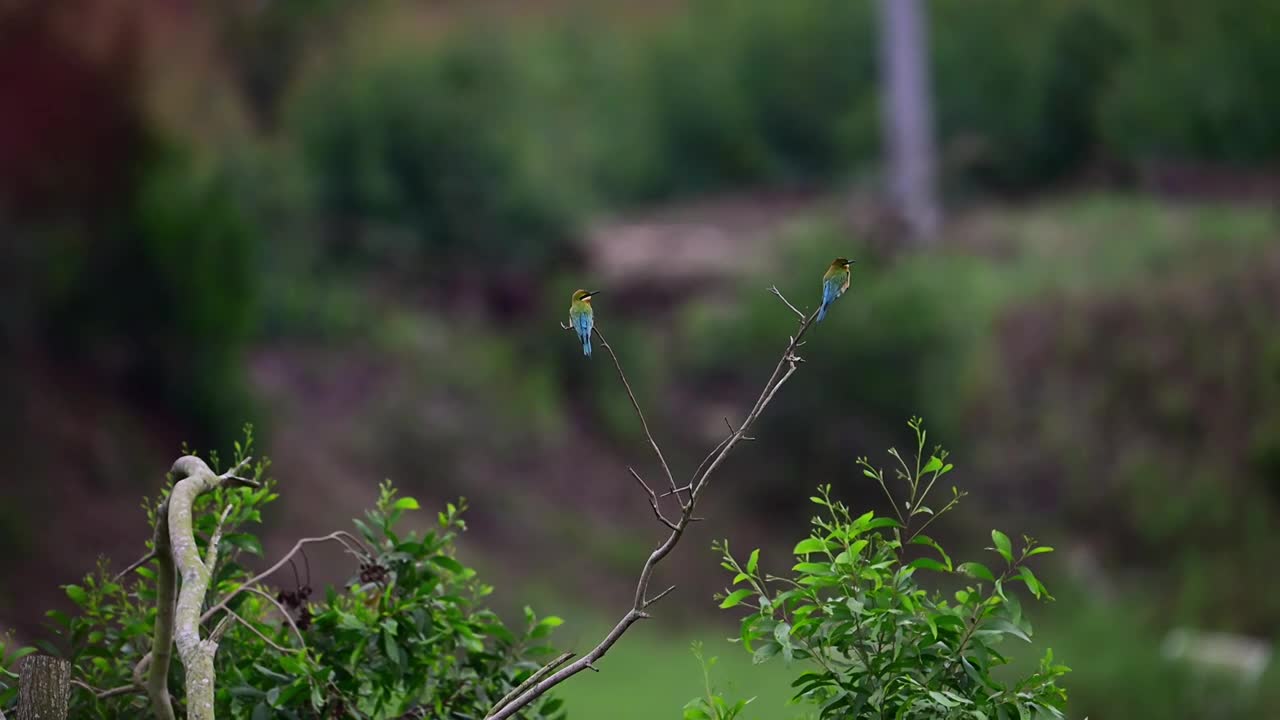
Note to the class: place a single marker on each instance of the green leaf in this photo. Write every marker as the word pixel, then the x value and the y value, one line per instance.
pixel 244 541
pixel 942 700
pixel 782 633
pixel 883 522
pixel 1003 546
pixel 810 568
pixel 810 545
pixel 406 503
pixel 753 561
pixel 735 598
pixel 926 540
pixel 1004 626
pixel 1032 582
pixel 545 626
pixel 976 570
pixel 765 651
pixel 929 564
pixel 77 594
pixel 1040 550
pixel 448 563
pixel 934 464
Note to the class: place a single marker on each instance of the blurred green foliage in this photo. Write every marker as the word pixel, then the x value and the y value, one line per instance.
pixel 1097 355
pixel 1197 82
pixel 466 165
pixel 422 163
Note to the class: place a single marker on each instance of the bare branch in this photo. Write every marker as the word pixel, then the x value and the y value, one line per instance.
pixel 157 661
pixel 276 646
pixel 732 431
pixel 622 376
pixel 653 500
pixel 136 564
pixel 786 367
pixel 211 552
pixel 535 677
pixel 659 596
pixel 140 670
pixel 288 618
pixel 197 655
pixel 342 537
pixel 221 628
pixel 774 289
pixel 105 694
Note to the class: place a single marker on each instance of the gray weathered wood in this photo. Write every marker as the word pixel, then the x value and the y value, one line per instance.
pixel 44 686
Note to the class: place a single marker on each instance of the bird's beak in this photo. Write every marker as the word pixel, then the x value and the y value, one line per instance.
pixel 851 262
pixel 590 294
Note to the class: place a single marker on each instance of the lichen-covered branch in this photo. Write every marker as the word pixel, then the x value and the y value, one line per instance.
pixel 782 372
pixel 195 479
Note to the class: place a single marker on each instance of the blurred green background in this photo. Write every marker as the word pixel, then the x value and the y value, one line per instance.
pixel 357 225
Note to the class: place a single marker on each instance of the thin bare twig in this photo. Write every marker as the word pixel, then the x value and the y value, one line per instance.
pixel 288 618
pixel 636 405
pixel 786 367
pixel 542 672
pixel 105 694
pixel 774 289
pixel 341 536
pixel 136 564
pixel 659 596
pixel 653 500
pixel 732 431
pixel 221 628
pixel 278 648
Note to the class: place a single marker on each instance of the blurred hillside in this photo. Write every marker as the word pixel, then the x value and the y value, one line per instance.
pixel 357 227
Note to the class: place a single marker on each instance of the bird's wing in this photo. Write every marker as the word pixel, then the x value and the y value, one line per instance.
pixel 582 321
pixel 830 290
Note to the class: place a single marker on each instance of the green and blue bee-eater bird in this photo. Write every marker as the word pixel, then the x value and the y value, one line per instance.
pixel 581 318
pixel 834 283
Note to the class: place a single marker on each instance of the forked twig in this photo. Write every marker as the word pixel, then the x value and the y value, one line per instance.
pixel 636 405
pixel 653 499
pixel 786 367
pixel 774 289
pixel 342 537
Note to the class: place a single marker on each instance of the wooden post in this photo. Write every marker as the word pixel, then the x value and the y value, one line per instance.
pixel 44 686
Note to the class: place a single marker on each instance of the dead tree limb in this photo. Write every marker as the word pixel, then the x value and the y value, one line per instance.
pixel 696 488
pixel 195 479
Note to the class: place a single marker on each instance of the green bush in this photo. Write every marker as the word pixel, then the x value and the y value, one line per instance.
pixel 877 643
pixel 750 92
pixel 1197 84
pixel 406 636
pixel 423 164
pixel 163 297
pixel 1019 112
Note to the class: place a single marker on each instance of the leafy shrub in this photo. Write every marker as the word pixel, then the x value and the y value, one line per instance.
pixel 1197 84
pixel 162 297
pixel 1021 112
pixel 405 637
pixel 711 706
pixel 759 91
pixel 424 165
pixel 880 644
